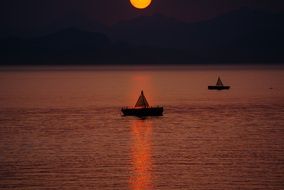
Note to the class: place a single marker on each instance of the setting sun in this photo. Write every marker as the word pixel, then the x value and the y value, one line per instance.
pixel 140 4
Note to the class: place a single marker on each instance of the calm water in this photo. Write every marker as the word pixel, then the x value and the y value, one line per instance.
pixel 63 130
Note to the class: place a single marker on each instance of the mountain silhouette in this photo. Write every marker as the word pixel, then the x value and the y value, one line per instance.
pixel 72 39
pixel 63 47
pixel 243 35
pixel 222 31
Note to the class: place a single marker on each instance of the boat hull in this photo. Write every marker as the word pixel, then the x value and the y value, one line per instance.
pixel 219 87
pixel 142 112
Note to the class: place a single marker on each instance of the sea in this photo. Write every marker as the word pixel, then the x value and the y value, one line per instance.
pixel 62 128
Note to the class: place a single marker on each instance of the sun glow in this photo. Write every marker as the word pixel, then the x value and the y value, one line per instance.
pixel 140 4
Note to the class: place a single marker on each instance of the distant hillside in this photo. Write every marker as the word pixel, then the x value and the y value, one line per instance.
pixel 62 47
pixel 241 36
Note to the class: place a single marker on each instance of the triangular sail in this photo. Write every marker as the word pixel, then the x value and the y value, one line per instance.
pixel 219 82
pixel 142 102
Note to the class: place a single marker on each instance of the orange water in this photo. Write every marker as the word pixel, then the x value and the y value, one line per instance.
pixel 63 129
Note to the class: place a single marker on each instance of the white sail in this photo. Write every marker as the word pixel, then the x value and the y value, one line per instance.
pixel 219 82
pixel 142 102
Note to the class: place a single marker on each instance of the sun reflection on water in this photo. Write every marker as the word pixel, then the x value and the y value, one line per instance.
pixel 141 133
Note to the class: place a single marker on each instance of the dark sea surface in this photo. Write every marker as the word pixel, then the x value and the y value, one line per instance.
pixel 62 129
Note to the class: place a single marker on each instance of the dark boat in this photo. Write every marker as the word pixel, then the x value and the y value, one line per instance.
pixel 142 108
pixel 219 86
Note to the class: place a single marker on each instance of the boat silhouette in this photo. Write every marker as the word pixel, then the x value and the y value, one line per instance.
pixel 219 86
pixel 142 108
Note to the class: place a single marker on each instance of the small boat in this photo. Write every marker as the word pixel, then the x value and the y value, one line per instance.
pixel 219 86
pixel 142 108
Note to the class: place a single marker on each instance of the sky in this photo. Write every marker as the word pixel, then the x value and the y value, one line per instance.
pixel 32 15
pixel 22 20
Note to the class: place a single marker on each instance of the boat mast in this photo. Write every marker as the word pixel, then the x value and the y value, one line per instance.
pixel 219 82
pixel 142 101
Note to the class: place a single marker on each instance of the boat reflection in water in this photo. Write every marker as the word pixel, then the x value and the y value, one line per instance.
pixel 141 139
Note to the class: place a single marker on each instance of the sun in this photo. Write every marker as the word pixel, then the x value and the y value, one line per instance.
pixel 140 4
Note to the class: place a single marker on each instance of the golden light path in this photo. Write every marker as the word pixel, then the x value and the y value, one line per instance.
pixel 141 178
pixel 141 135
pixel 140 4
